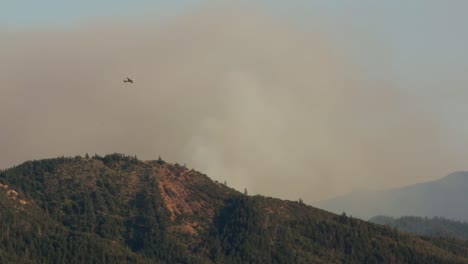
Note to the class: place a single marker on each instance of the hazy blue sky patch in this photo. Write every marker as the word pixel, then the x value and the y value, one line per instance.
pixel 46 13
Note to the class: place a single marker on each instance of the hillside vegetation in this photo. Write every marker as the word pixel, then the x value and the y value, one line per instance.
pixel 435 227
pixel 118 209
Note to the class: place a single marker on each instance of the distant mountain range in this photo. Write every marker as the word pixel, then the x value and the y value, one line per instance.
pixel 446 197
pixel 424 226
pixel 118 209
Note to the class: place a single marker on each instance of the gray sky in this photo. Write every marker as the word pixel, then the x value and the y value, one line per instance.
pixel 293 100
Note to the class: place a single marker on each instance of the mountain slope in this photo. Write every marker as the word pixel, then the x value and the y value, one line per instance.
pixel 118 209
pixel 446 197
pixel 436 226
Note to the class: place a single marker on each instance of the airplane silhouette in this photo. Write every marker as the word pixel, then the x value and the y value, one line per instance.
pixel 128 80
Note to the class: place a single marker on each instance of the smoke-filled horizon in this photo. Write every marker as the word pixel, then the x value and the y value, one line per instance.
pixel 256 102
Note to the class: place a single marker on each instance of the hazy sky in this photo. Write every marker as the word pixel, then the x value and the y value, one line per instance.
pixel 303 99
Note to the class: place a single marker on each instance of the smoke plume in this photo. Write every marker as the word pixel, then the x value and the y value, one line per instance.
pixel 237 94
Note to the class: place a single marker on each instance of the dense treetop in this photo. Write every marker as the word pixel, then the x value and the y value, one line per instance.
pixel 118 209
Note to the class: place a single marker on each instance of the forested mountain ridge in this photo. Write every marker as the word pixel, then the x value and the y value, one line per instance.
pixel 118 209
pixel 445 197
pixel 436 226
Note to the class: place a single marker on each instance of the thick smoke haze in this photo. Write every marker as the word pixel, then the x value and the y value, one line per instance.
pixel 237 94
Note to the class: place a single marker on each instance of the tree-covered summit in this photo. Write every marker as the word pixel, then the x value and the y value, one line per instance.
pixel 119 209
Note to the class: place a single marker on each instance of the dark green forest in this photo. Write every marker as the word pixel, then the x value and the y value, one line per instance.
pixel 425 226
pixel 118 209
